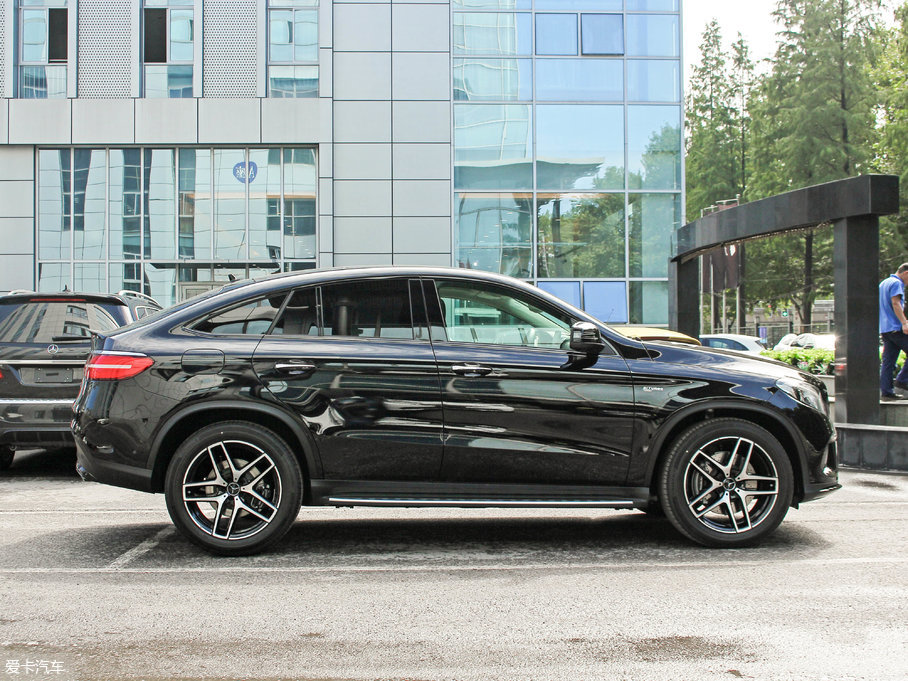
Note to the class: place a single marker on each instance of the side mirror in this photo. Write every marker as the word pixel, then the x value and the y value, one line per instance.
pixel 586 338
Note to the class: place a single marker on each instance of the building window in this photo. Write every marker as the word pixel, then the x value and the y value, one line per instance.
pixel 169 221
pixel 43 49
pixel 293 48
pixel 169 49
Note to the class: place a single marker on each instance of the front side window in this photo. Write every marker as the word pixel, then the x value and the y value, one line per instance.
pixel 476 312
pixel 43 49
pixel 169 48
pixel 293 48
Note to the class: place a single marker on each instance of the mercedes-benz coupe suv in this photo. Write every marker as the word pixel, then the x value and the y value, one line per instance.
pixel 438 387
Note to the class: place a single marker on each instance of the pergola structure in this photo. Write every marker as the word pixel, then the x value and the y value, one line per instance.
pixel 853 207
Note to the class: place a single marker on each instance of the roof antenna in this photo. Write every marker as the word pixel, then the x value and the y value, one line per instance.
pixel 231 277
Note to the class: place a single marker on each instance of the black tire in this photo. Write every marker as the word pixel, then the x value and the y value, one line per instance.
pixel 254 489
pixel 6 457
pixel 726 483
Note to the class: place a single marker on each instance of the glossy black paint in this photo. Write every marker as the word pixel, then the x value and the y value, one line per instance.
pixel 367 414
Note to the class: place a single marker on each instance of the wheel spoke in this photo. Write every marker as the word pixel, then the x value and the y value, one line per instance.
pixel 744 511
pixel 706 473
pixel 205 497
pixel 233 515
pixel 721 500
pixel 696 502
pixel 251 465
pixel 260 476
pixel 262 500
pixel 251 510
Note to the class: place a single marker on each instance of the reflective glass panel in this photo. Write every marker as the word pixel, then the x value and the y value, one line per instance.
pixel 125 276
pixel 293 3
pixel 492 34
pixel 568 291
pixel 653 80
pixel 602 33
pixel 280 24
pixel 230 174
pixel 488 79
pixel 579 147
pixel 492 146
pixel 494 232
pixel 53 277
pixel 89 204
pixel 125 204
pixel 162 80
pixel 300 178
pixel 90 277
pixel 654 147
pixel 653 5
pixel 42 82
pixel 181 36
pixel 579 4
pixel 652 219
pixel 653 35
pixel 34 35
pixel 580 235
pixel 556 34
pixel 159 199
pixel 160 282
pixel 293 81
pixel 194 203
pixel 305 35
pixel 42 3
pixel 491 4
pixel 606 300
pixel 264 182
pixel 582 80
pixel 54 203
pixel 648 302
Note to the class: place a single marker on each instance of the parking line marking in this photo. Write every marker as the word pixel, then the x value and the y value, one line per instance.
pixel 139 550
pixel 625 565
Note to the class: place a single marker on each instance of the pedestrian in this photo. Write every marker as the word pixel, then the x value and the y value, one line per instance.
pixel 894 332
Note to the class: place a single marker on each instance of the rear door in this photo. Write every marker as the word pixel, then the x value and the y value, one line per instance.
pixel 353 360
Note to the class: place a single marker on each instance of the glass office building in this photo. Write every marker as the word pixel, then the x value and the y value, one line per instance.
pixel 168 145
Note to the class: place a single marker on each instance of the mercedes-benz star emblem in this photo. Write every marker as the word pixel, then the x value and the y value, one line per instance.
pixel 53 349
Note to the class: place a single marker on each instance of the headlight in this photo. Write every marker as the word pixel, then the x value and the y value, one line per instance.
pixel 802 392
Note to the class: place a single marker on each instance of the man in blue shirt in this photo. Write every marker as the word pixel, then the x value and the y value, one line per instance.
pixel 894 332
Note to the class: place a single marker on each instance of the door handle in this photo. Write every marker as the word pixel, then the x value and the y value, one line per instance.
pixel 295 368
pixel 471 370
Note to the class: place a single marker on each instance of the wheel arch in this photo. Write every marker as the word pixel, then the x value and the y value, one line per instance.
pixel 187 421
pixel 774 424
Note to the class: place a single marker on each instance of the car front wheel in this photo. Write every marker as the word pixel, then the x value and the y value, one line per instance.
pixel 234 488
pixel 726 482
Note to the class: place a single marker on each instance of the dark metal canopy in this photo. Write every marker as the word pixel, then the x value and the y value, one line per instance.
pixel 853 206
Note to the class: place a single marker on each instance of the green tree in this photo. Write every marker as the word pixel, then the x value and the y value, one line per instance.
pixel 892 150
pixel 813 121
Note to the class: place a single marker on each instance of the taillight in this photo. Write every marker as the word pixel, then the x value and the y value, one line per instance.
pixel 106 367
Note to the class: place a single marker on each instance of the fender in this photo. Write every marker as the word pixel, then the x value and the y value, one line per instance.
pixel 304 439
pixel 739 405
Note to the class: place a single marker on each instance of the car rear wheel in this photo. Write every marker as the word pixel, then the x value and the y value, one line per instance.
pixel 234 488
pixel 726 482
pixel 6 457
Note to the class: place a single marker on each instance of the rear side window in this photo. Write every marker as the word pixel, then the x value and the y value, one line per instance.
pixel 53 321
pixel 368 309
pixel 300 315
pixel 253 318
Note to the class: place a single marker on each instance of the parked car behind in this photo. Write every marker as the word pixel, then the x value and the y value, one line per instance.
pixel 45 339
pixel 653 333
pixel 752 345
pixel 438 387
pixel 820 341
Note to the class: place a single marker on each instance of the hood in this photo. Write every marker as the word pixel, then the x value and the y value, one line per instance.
pixel 725 360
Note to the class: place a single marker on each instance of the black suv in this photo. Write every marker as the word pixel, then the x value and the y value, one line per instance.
pixel 44 341
pixel 438 387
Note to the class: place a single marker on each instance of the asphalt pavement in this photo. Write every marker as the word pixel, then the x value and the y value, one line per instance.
pixel 96 584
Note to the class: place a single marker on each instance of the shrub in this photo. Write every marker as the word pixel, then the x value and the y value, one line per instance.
pixel 813 361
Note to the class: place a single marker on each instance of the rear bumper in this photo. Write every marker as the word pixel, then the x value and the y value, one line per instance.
pixel 93 468
pixel 36 422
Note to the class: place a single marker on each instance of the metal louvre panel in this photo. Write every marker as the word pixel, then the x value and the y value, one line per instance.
pixel 230 48
pixel 105 49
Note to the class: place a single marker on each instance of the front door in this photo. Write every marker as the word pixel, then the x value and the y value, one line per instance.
pixel 516 410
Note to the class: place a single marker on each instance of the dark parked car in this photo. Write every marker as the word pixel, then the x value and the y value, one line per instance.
pixel 45 339
pixel 438 387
